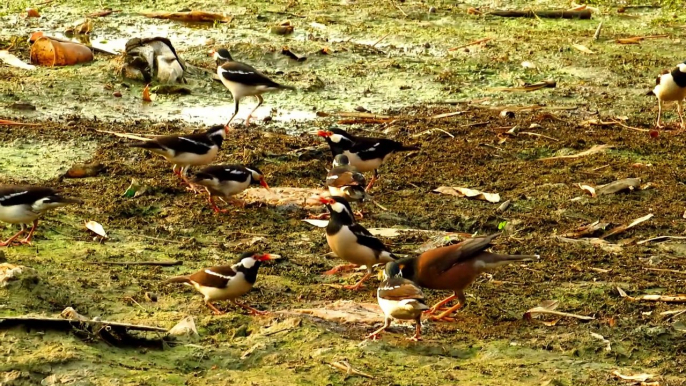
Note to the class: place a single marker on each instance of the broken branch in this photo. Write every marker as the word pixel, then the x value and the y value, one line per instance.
pixel 654 298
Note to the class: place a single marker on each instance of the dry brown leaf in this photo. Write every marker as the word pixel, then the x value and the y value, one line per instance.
pixel 586 230
pixel 637 377
pixel 469 193
pixel 589 189
pixel 622 228
pixel 96 228
pixel 192 16
pixel 583 49
pixel 32 12
pixel 146 94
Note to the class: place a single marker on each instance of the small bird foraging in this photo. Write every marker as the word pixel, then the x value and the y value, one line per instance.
pixel 351 241
pixel 25 204
pixel 225 181
pixel 364 153
pixel 243 80
pixel 671 86
pixel 401 299
pixel 227 282
pixel 455 267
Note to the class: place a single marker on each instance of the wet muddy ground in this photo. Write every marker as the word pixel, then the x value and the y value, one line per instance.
pixel 490 342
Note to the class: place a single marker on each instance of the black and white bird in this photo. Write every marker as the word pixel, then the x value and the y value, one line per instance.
pixel 225 181
pixel 401 299
pixel 671 86
pixel 364 153
pixel 184 151
pixel 351 241
pixel 25 204
pixel 243 80
pixel 227 282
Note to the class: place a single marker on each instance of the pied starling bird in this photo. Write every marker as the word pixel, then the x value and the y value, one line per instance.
pixel 25 204
pixel 401 299
pixel 227 282
pixel 351 241
pixel 243 80
pixel 225 181
pixel 454 267
pixel 671 86
pixel 364 153
pixel 184 151
pixel 345 181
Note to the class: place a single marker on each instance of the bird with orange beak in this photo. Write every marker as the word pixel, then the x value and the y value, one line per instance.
pixel 227 282
pixel 351 241
pixel 225 181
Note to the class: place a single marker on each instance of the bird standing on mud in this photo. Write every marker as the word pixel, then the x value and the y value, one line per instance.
pixel 184 151
pixel 364 153
pixel 226 181
pixel 351 241
pixel 454 267
pixel 25 204
pixel 227 282
pixel 671 86
pixel 399 298
pixel 243 80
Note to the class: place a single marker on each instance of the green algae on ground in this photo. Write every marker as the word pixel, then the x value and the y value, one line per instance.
pixel 36 160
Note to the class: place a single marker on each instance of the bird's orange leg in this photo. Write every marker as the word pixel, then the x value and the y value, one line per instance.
pixel 214 309
pixel 9 241
pixel 253 311
pixel 375 178
pixel 215 207
pixel 444 315
pixel 417 332
pixel 440 304
pixel 375 335
pixel 359 284
pixel 27 240
pixel 340 268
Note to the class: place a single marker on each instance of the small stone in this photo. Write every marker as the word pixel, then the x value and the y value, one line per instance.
pixel 117 94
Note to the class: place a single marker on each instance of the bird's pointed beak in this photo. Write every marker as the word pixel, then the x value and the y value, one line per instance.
pixel 263 184
pixel 325 200
pixel 324 134
pixel 268 256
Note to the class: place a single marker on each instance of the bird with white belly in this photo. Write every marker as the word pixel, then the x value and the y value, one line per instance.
pixel 225 181
pixel 671 86
pixel 25 204
pixel 351 241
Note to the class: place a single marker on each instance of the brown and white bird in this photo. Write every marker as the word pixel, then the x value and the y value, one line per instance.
pixel 184 151
pixel 455 268
pixel 671 86
pixel 401 299
pixel 25 204
pixel 351 241
pixel 227 282
pixel 225 181
pixel 364 153
pixel 345 181
pixel 243 80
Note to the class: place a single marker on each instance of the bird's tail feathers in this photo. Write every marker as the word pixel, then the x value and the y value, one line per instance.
pixel 286 87
pixel 66 200
pixel 145 145
pixel 407 148
pixel 492 260
pixel 178 279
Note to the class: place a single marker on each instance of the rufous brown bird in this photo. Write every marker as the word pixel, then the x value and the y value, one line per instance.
pixel 227 282
pixel 401 299
pixel 455 268
pixel 20 204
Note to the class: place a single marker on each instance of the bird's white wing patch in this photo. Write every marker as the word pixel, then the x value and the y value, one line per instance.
pixel 11 195
pixel 332 177
pixel 210 272
pixel 234 171
pixel 239 72
pixel 195 142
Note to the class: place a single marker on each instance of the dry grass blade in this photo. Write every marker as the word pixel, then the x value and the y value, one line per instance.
pixel 548 311
pixel 539 135
pixel 593 150
pixel 583 49
pixel 528 87
pixel 623 228
pixel 126 135
pixel 475 42
pixel 660 238
pixel 637 377
pixel 349 370
pixel 666 270
pixel 12 123
pixel 653 298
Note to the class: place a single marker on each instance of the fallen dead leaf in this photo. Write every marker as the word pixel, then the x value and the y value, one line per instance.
pixel 593 150
pixel 96 228
pixel 546 310
pixel 32 12
pixel 608 346
pixel 654 298
pixel 622 228
pixel 469 193
pixel 192 16
pixel 637 377
pixel 146 94
pixel 583 49
pixel 586 230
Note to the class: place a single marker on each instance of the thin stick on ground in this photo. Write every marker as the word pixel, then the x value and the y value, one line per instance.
pixel 380 39
pixel 398 7
pixel 153 263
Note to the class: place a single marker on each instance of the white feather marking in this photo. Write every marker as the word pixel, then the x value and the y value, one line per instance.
pixel 195 142
pixel 681 67
pixel 234 171
pixel 209 272
pixel 331 177
pixel 248 262
pixel 7 197
pixel 240 72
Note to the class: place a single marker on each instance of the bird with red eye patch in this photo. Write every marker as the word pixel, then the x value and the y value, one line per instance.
pixel 455 268
pixel 351 241
pixel 671 86
pixel 25 204
pixel 401 299
pixel 226 181
pixel 227 282
pixel 187 150
pixel 243 80
pixel 364 153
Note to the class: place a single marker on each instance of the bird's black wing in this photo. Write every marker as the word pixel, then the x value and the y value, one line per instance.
pixel 244 74
pixel 23 195
pixel 216 277
pixel 397 288
pixel 364 237
pixel 227 172
pixel 468 249
pixel 193 143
